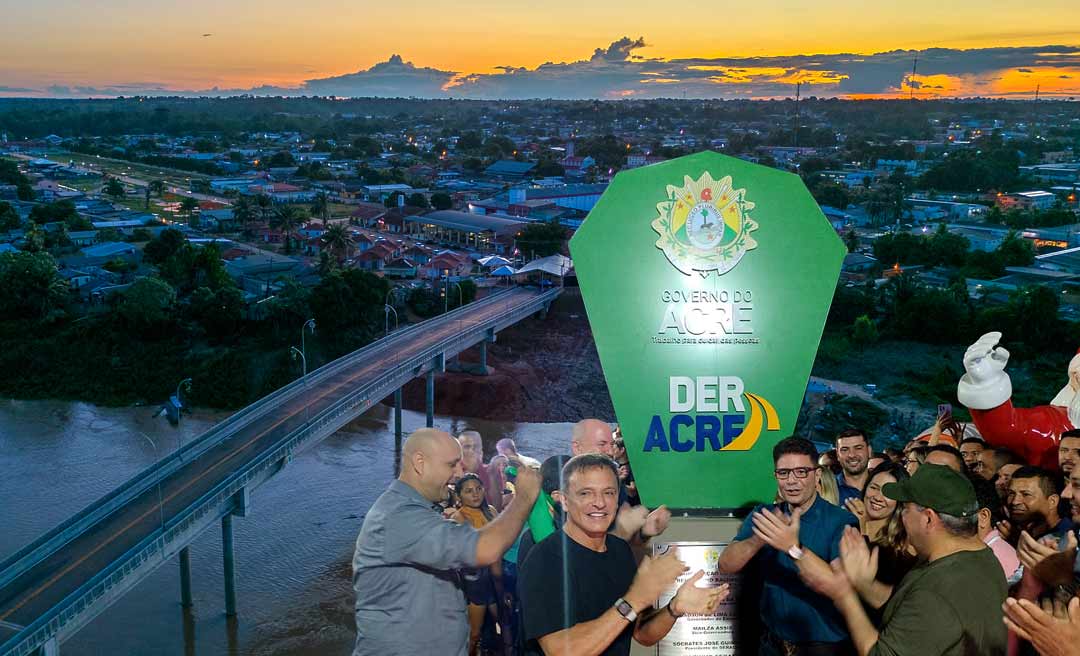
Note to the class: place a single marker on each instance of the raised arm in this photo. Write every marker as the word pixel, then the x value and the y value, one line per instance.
pixel 499 535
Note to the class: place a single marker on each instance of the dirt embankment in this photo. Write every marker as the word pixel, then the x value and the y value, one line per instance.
pixel 543 370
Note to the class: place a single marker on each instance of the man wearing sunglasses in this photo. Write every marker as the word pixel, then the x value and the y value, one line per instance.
pixel 797 620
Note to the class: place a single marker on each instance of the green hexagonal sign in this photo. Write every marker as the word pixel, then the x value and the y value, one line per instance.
pixel 707 280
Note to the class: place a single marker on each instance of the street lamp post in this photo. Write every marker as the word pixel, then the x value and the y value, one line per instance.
pixel 310 323
pixel 179 405
pixel 303 360
pixel 161 509
pixel 387 309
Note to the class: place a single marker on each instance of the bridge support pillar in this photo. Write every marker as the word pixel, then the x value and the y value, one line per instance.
pixel 230 565
pixel 483 357
pixel 185 577
pixel 430 398
pixel 397 418
pixel 50 648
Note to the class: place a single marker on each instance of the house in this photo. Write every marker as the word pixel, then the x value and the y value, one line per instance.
pixel 312 230
pixel 220 219
pixel 82 238
pixel 447 263
pixel 377 257
pixel 75 278
pixel 509 169
pixel 110 250
pixel 1026 200
pixel 401 267
pixel 362 242
pixel 418 254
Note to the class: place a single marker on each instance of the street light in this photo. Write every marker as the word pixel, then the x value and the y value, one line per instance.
pixel 303 360
pixel 161 510
pixel 310 323
pixel 387 309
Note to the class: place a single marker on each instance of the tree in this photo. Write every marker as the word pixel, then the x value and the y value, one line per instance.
pixel 30 286
pixel 348 306
pixel 417 200
pixel 34 239
pixel 165 245
pixel 864 332
pixel 287 218
pixel 157 187
pixel 548 168
pixel 265 207
pixel 10 174
pixel 441 201
pixel 243 212
pixel 339 241
pixel 321 206
pixel 851 239
pixel 947 249
pixel 280 159
pixel 147 303
pixel 541 238
pixel 1016 251
pixel 9 218
pixel 115 188
pixel 219 312
pixel 62 210
pixel 188 205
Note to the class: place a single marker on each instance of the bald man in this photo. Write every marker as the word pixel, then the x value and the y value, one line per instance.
pixel 632 523
pixel 408 593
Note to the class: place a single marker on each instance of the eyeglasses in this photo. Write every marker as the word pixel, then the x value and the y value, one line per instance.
pixel 800 472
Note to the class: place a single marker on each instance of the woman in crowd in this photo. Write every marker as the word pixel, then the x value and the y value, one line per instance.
pixel 483 586
pixel 827 486
pixel 915 457
pixel 881 526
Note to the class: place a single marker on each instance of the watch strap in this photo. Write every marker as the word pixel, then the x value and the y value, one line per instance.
pixel 795 552
pixel 624 608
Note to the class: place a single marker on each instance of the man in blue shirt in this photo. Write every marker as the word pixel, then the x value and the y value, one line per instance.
pixel 796 619
pixel 853 454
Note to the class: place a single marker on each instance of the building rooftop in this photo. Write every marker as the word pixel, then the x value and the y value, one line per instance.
pixel 467 222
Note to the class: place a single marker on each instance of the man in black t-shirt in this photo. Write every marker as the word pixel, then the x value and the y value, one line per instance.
pixel 580 588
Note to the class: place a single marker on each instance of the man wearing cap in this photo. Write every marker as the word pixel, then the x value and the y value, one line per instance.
pixel 950 603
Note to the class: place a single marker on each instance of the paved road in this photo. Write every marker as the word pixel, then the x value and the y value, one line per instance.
pixel 46 584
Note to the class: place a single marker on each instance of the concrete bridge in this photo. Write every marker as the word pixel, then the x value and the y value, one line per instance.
pixel 56 585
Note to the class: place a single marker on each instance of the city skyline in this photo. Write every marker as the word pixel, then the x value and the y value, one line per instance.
pixel 561 50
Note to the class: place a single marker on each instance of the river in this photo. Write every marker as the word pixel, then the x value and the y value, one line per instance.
pixel 293 551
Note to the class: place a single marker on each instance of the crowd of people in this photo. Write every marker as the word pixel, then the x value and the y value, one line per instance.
pixel 948 546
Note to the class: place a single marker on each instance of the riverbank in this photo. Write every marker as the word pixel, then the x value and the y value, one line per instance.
pixel 542 370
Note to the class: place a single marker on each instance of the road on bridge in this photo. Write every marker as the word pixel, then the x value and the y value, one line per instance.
pixel 48 582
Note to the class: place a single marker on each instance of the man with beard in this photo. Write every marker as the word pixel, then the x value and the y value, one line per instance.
pixel 1069 451
pixel 948 604
pixel 797 620
pixel 853 452
pixel 986 390
pixel 408 594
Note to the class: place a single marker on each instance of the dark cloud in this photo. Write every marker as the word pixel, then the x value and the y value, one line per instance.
pixel 6 89
pixel 617 71
pixel 393 77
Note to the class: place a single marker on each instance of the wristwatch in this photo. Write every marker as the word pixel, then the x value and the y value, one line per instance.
pixel 625 609
pixel 795 552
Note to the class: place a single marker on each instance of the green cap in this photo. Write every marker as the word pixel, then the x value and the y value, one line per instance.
pixel 936 487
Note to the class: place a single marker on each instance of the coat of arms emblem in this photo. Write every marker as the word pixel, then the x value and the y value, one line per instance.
pixel 705 225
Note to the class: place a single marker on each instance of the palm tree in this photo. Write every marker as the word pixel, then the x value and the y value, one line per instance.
pixel 265 205
pixel 287 218
pixel 338 240
pixel 243 212
pixel 187 207
pixel 321 206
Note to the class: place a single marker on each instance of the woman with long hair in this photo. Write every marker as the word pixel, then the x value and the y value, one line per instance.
pixel 483 585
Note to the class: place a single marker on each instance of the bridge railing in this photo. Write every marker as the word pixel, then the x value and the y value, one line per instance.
pixel 17 564
pixel 219 496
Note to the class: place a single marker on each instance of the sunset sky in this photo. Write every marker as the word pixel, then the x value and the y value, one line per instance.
pixel 493 48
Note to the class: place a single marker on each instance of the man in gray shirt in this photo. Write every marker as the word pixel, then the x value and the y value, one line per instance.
pixel 408 594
